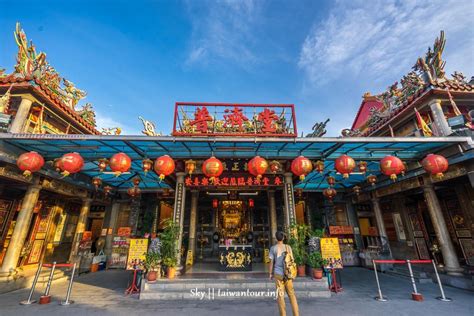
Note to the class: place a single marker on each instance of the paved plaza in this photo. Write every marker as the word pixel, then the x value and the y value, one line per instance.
pixel 101 293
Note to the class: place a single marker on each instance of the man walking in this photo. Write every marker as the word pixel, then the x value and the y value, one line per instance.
pixel 277 267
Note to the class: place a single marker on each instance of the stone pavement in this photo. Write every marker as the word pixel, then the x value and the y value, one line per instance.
pixel 101 293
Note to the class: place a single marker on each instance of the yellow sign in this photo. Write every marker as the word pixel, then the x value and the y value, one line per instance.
pixel 266 255
pixel 136 253
pixel 331 252
pixel 189 258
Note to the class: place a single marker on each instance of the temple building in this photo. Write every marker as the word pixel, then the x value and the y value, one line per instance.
pixel 233 174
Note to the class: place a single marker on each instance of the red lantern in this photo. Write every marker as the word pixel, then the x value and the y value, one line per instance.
pixel 435 165
pixel 301 166
pixel 97 182
pixel 30 162
pixel 190 166
pixel 251 203
pixel 344 165
pixel 319 166
pixel 391 166
pixel 257 166
pixel 363 166
pixel 70 163
pixel 120 163
pixel 147 164
pixel 275 166
pixel 331 180
pixel 134 191
pixel 215 203
pixel 136 181
pixel 164 166
pixel 103 163
pixel 107 189
pixel 56 164
pixel 372 179
pixel 329 193
pixel 212 168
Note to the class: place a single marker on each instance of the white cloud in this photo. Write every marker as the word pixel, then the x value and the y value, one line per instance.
pixel 106 121
pixel 380 40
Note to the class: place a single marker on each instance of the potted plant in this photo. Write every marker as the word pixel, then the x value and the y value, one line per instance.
pixel 316 262
pixel 300 260
pixel 297 241
pixel 152 264
pixel 169 249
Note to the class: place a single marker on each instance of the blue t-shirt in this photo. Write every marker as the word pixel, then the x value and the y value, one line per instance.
pixel 278 258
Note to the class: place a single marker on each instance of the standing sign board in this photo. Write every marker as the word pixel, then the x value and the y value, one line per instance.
pixel 136 253
pixel 331 252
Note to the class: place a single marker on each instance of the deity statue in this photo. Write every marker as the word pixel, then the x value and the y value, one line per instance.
pixel 432 66
pixel 111 131
pixel 5 101
pixel 459 77
pixel 88 114
pixel 148 127
pixel 319 129
pixel 73 93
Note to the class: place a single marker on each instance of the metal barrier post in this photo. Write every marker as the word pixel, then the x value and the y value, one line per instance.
pixel 69 288
pixel 33 285
pixel 442 297
pixel 415 295
pixel 379 298
pixel 46 298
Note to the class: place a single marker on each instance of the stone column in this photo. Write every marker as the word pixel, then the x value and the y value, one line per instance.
pixel 273 216
pixel 110 225
pixel 379 217
pixel 80 227
pixel 135 205
pixel 178 213
pixel 450 258
pixel 20 231
pixel 21 116
pixel 192 223
pixel 354 222
pixel 439 119
pixel 289 198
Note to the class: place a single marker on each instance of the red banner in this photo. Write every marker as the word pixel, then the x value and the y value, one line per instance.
pixel 201 181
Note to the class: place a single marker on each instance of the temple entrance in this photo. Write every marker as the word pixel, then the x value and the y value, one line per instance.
pixel 234 222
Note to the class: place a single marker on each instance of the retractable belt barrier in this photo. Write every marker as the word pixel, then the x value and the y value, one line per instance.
pixel 46 298
pixel 414 295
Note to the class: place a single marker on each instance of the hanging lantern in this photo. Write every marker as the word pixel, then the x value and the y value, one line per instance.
pixel 251 203
pixel 372 179
pixel 190 166
pixel 356 189
pixel 30 162
pixel 136 181
pixel 319 166
pixel 344 165
pixel 212 168
pixel 329 193
pixel 301 166
pixel 275 166
pixel 257 166
pixel 391 166
pixel 97 182
pixel 215 203
pixel 331 180
pixel 405 168
pixel 299 192
pixel 56 164
pixel 134 191
pixel 164 166
pixel 120 163
pixel 107 189
pixel 147 164
pixel 362 166
pixel 103 163
pixel 435 165
pixel 70 163
pixel 166 192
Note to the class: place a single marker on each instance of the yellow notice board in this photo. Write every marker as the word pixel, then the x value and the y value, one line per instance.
pixel 136 253
pixel 331 252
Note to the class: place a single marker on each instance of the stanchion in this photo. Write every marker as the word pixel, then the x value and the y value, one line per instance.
pixel 335 287
pixel 442 297
pixel 33 285
pixel 414 295
pixel 69 288
pixel 46 298
pixel 133 288
pixel 379 298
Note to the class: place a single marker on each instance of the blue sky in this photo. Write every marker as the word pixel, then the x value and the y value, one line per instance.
pixel 140 57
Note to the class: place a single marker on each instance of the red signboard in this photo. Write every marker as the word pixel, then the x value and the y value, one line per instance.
pixel 341 230
pixel 228 119
pixel 201 181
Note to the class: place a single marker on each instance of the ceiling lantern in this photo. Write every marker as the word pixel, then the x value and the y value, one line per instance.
pixel 299 192
pixel 319 166
pixel 257 166
pixel 251 203
pixel 30 162
pixel 164 166
pixel 331 180
pixel 212 168
pixel 301 166
pixel 275 166
pixel 136 181
pixel 134 191
pixel 391 166
pixel 56 164
pixel 435 165
pixel 120 163
pixel 362 166
pixel 147 165
pixel 344 165
pixel 107 189
pixel 329 193
pixel 103 163
pixel 190 166
pixel 97 182
pixel 371 179
pixel 215 203
pixel 70 163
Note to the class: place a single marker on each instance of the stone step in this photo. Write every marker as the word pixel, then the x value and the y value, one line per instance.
pixel 419 276
pixel 58 274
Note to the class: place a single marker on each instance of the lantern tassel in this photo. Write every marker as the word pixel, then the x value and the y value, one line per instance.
pixel 302 177
pixel 65 173
pixel 393 177
pixel 27 173
pixel 162 177
pixel 117 174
